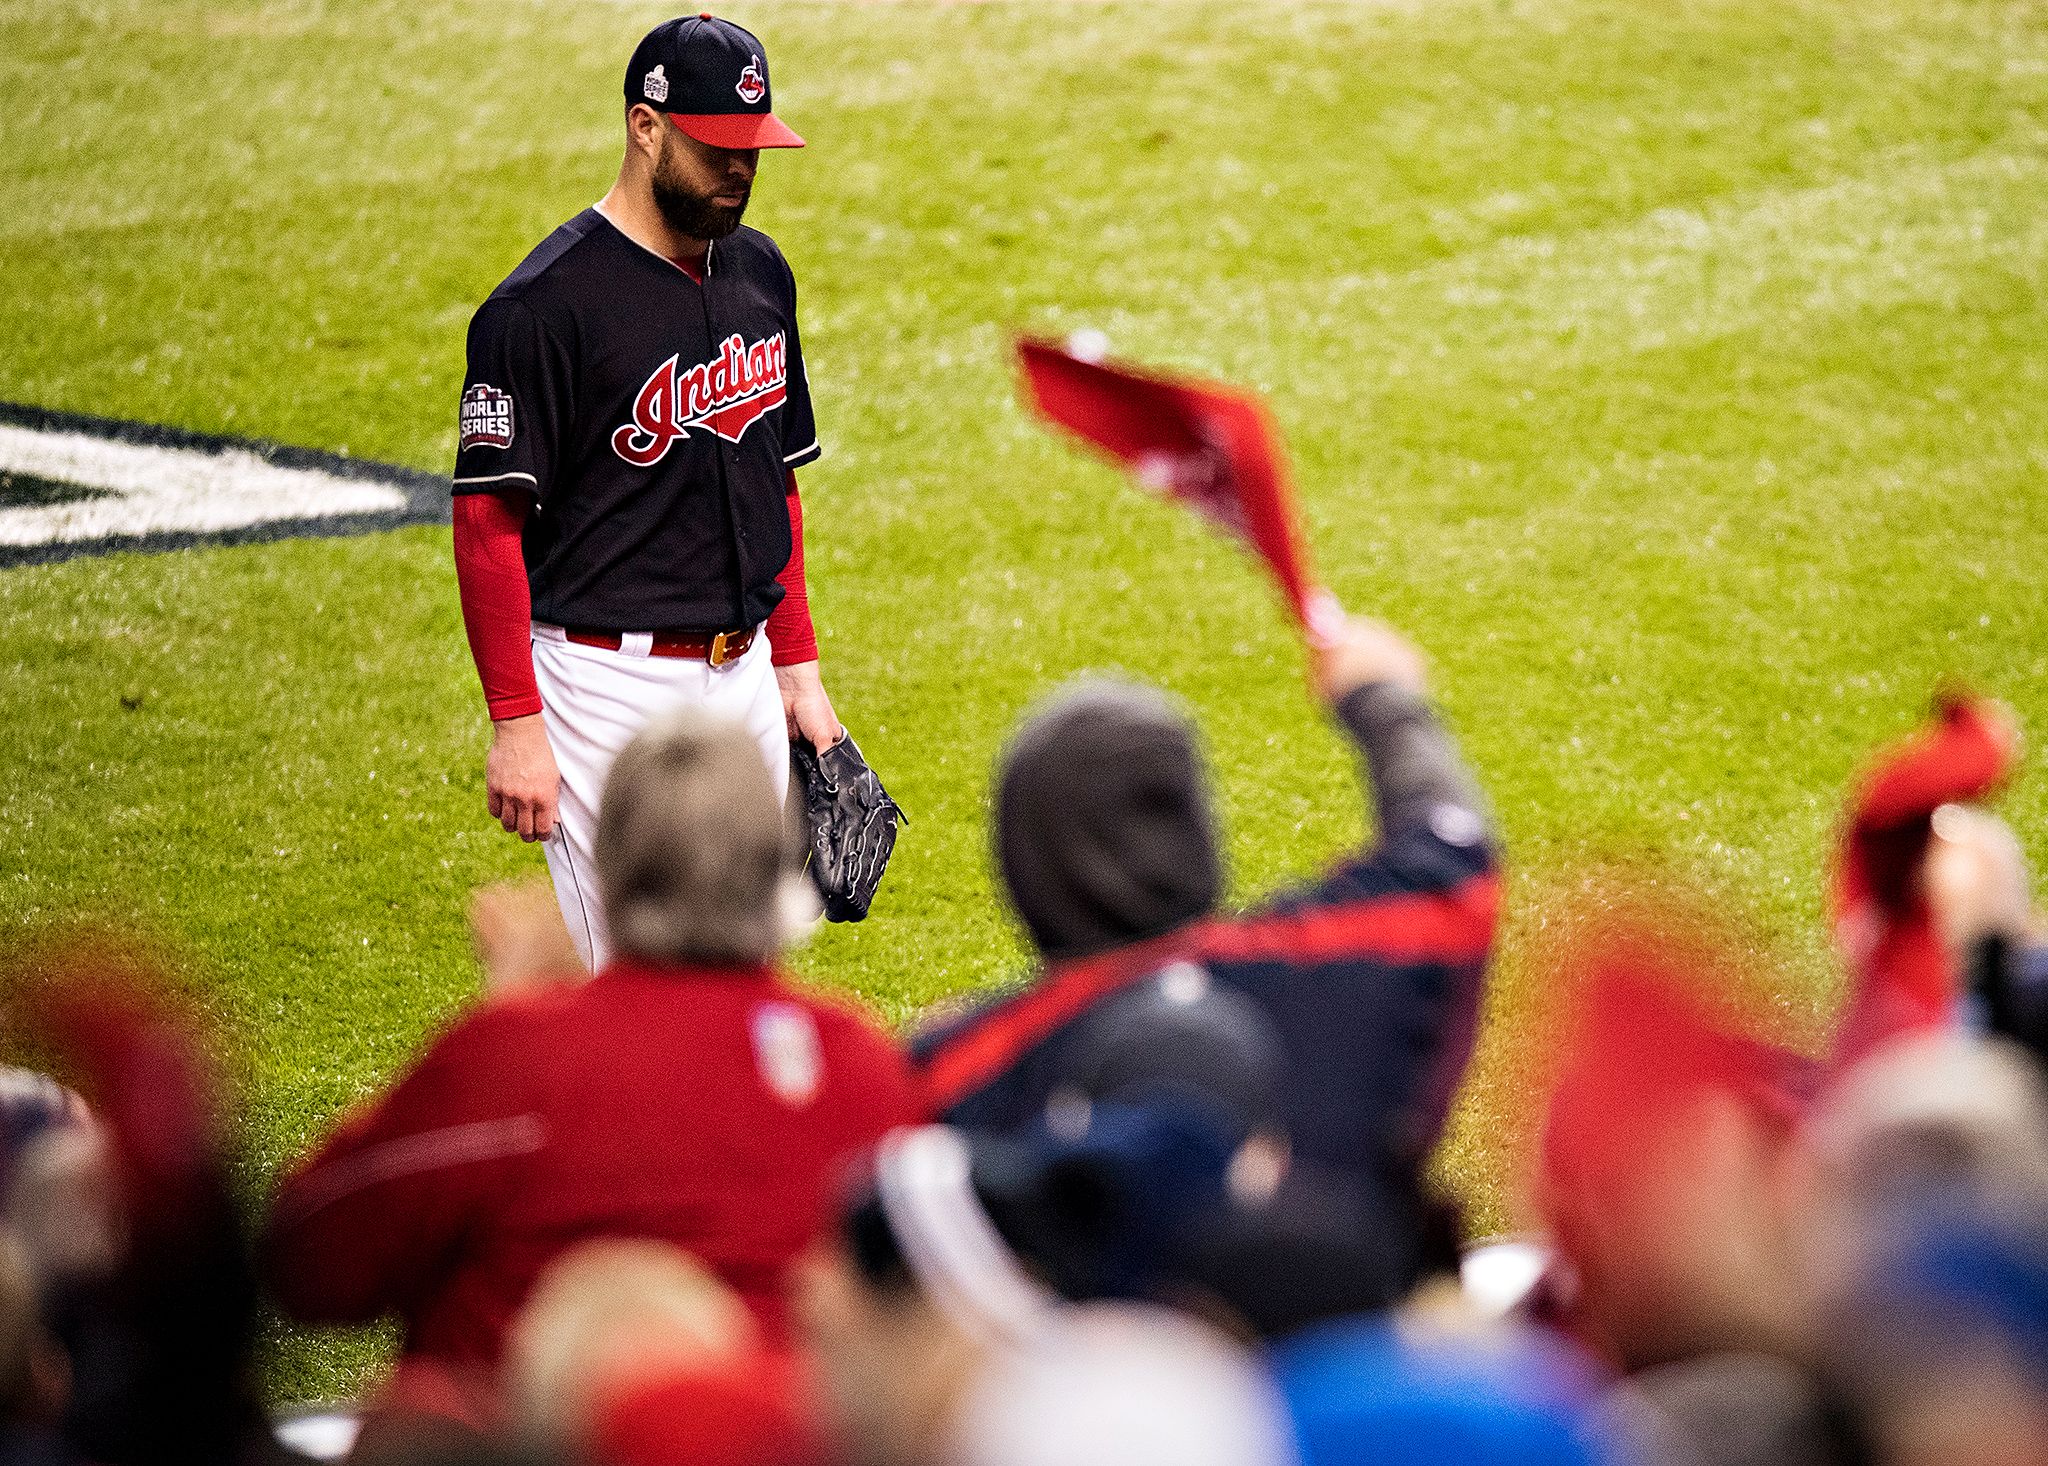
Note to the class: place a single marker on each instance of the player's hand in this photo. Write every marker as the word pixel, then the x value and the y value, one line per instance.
pixel 1358 651
pixel 520 938
pixel 805 707
pixel 521 783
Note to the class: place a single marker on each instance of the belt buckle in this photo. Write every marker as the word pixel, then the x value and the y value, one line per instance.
pixel 721 648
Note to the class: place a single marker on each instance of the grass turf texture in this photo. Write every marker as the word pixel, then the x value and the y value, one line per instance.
pixel 1671 371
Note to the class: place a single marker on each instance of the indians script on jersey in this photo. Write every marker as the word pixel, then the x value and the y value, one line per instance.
pixel 726 395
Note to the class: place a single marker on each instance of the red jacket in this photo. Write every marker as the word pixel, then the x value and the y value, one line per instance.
pixel 711 1108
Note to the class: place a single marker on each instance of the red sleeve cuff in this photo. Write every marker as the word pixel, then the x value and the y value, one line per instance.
pixel 791 648
pixel 513 705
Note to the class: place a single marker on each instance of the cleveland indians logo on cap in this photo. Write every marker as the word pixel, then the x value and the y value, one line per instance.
pixel 752 85
pixel 726 396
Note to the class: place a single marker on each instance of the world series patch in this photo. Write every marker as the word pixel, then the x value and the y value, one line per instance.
pixel 486 419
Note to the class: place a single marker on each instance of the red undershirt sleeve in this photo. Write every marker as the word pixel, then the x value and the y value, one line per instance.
pixel 497 604
pixel 791 637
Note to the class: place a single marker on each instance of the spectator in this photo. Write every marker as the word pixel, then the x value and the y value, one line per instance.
pixel 1979 895
pixel 686 1092
pixel 910 1301
pixel 1737 1408
pixel 629 1353
pixel 1177 1039
pixel 1905 973
pixel 1942 1341
pixel 1395 1391
pixel 604 1316
pixel 1323 1246
pixel 1269 1246
pixel 1666 1140
pixel 1938 1122
pixel 1173 1199
pixel 936 1344
pixel 1105 1208
pixel 123 1225
pixel 1126 1384
pixel 1370 977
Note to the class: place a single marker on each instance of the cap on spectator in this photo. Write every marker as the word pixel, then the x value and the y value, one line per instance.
pixel 1179 1040
pixel 1100 1210
pixel 926 1217
pixel 1102 821
pixel 1321 1247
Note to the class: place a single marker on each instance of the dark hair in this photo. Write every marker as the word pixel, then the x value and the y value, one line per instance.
pixel 2012 987
pixel 871 1243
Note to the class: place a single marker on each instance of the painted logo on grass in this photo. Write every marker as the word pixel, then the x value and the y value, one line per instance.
pixel 77 485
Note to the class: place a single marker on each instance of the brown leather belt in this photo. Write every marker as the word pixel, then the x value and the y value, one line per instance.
pixel 715 647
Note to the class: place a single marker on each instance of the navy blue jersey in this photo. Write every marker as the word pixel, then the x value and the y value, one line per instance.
pixel 1371 976
pixel 652 419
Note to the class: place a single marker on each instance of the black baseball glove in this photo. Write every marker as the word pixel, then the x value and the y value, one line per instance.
pixel 852 823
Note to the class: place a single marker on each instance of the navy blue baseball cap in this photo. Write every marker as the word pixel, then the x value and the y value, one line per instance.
pixel 1177 1038
pixel 710 78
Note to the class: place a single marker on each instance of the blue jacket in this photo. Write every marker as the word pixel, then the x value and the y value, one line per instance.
pixel 1364 1390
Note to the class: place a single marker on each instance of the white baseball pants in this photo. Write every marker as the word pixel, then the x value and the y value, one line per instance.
pixel 594 700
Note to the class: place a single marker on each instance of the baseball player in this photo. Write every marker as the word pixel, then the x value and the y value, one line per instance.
pixel 628 536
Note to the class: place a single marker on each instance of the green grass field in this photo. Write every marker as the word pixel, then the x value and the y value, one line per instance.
pixel 1671 368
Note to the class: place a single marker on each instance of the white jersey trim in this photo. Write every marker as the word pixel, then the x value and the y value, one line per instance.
pixel 492 478
pixel 810 448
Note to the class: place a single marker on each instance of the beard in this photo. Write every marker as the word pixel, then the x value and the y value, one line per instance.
pixel 692 214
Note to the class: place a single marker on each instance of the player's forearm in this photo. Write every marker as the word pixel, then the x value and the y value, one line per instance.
pixel 497 603
pixel 1411 761
pixel 791 637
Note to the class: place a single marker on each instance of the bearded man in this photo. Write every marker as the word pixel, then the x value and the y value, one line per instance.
pixel 628 538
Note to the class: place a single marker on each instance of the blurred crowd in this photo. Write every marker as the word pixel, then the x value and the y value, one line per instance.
pixel 1167 1200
